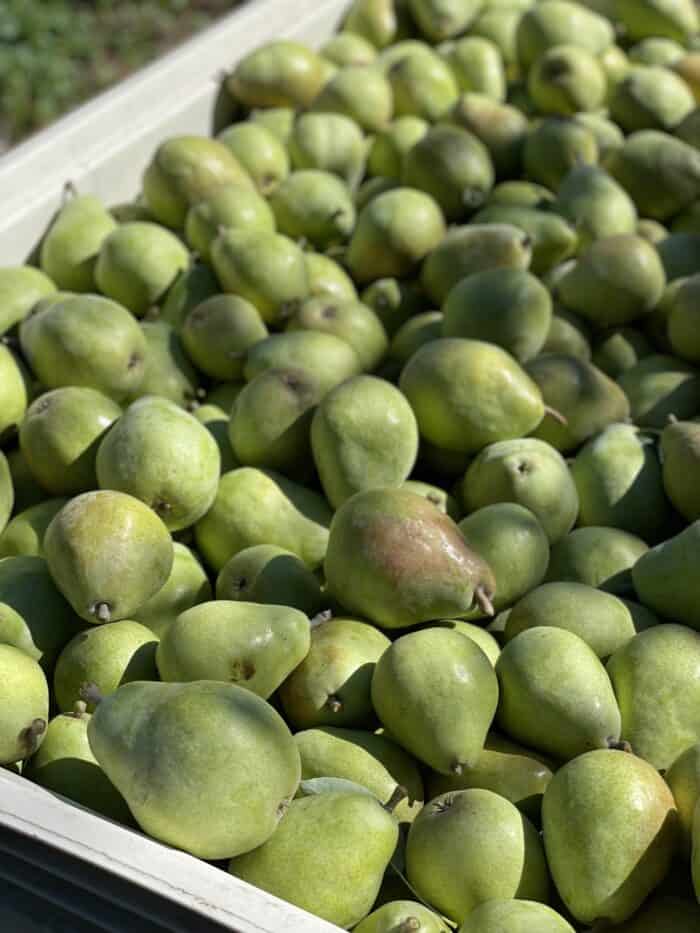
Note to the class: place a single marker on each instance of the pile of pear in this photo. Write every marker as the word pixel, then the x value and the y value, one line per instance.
pixel 350 476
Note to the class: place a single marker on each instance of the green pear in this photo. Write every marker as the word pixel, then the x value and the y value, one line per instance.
pixel 26 491
pixel 508 307
pixel 468 393
pixel 665 580
pixel 59 436
pixel 553 147
pixel 568 335
pixel 192 287
pixel 565 80
pixel 184 170
pixel 597 556
pixel 7 492
pixel 517 916
pixel 186 586
pixel 688 130
pixel 520 193
pixel 529 472
pixel 609 830
pixel 622 349
pixel 360 92
pixel 598 207
pixel 24 701
pixel 34 616
pixel 660 386
pixel 363 435
pixel 368 759
pixel 315 206
pixel 108 553
pixel 329 142
pixel 85 341
pixel 608 135
pixel 659 912
pixel 371 188
pixel 678 20
pixel 348 48
pixel 387 154
pixel 160 454
pixel 15 391
pixel 444 501
pixel 442 19
pixel 478 65
pixel 550 237
pixel 401 917
pixel 331 686
pixel 352 321
pixel 218 332
pixel 499 23
pixel 21 287
pixel 556 21
pixel 260 152
pixel 476 633
pixel 251 645
pixel 683 777
pixel 619 482
pixel 224 395
pixel 650 97
pixel 396 559
pixel 500 127
pixel 279 120
pixel 682 320
pixel 586 398
pixel 374 20
pixel 472 249
pixel 453 166
pixel 239 752
pixel 328 279
pixel 555 694
pixel 509 770
pixel 658 726
pixel 680 447
pixel 269 574
pixel 651 230
pixel 326 359
pixel 215 420
pixel 345 827
pixel 659 172
pixel 262 507
pixel 394 232
pixel 70 249
pixel 420 688
pixel 168 369
pixel 24 534
pixel 279 73
pixel 411 336
pixel 471 846
pixel 229 207
pixel 105 656
pixel 602 620
pixel 514 545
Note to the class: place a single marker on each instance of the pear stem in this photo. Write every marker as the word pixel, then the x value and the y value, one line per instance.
pixel 409 925
pixel 30 735
pixel 556 415
pixel 102 611
pixel 457 769
pixel 619 746
pixel 320 618
pixel 334 704
pixel 91 693
pixel 79 709
pixel 484 601
pixel 69 192
pixel 399 793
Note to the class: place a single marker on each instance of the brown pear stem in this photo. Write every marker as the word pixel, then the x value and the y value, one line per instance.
pixel 484 601
pixel 408 925
pixel 619 746
pixel 90 693
pixel 69 192
pixel 102 612
pixel 399 793
pixel 334 704
pixel 457 769
pixel 320 618
pixel 556 415
pixel 29 736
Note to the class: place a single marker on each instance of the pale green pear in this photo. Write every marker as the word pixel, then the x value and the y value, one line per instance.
pixel 445 501
pixel 260 152
pixel 660 386
pixel 471 846
pixel 329 142
pixel 360 92
pixel 229 207
pixel 596 205
pixel 326 358
pixel 478 66
pixel 522 193
pixel 443 19
pixel 420 688
pixel 423 85
pixel 553 147
pixel 218 332
pixel 555 21
pixel 516 916
pixel 332 684
pixel 597 556
pixel 349 48
pixel 15 392
pixel 375 20
pixel 500 127
pixel 499 23
pixel 683 777
pixel 325 829
pixel 279 120
pixel 269 574
pixel 328 279
pixel 477 634
pixel 680 446
pixel 402 917
pixel 262 507
pixel 21 287
pixel 70 249
pixel 192 287
pixel 352 321
pixel 677 20
pixel 665 579
pixel 315 206
pixel 551 239
pixel 622 349
pixel 24 702
pixel 609 832
pixel 24 534
pixel 168 369
pixel 108 553
pixel 650 97
pixel 396 559
pixel 186 586
pixel 279 73
pixel 388 151
pixel 567 79
pixel 607 134
pixel 239 753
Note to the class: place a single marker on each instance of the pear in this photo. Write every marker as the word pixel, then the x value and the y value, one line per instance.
pixel 598 207
pixel 568 335
pixel 446 502
pixel 65 765
pixel 70 249
pixel 341 827
pixel 239 752
pixel 602 620
pixel 396 559
pixel 514 545
pixel 60 434
pixel 352 321
pixel 557 21
pixel 478 635
pixel 162 455
pixel 224 395
pixel 14 391
pixel 500 127
pixel 24 535
pixel 279 120
pixel 678 20
pixel 651 230
pixel 551 238
pixel 401 917
pixel 650 97
pixel 325 358
pixel 363 435
pixel 659 912
pixel 682 320
pixel 527 471
pixel 216 420
pixel 472 249
pixel 267 269
pixel 368 759
pixel 315 206
pixel 218 332
pixel 108 553
pixel 86 341
pixel 244 643
pixel 260 152
pixel 478 66
pixel 186 586
pixel 374 20
pixel 555 694
pixel 420 688
pixel 24 701
pixel 586 398
pixel 360 92
pixel 192 287
pixel 508 307
pixel 597 556
pixel 609 828
pixel 411 336
pixel 442 19
pixel 262 507
pixel 499 24
pixel 520 193
pixel 680 446
pixel 658 726
pixel 280 73
pixel 622 349
pixel 665 579
pixel 608 135
pixel 268 574
pixel 555 146
pixel 229 207
pixel 423 86
pixel 26 491
pixel 468 393
pixel 387 154
pixel 329 142
pixel 683 777
pixel 105 656
pixel 34 617
pixel 394 232
pixel 348 48
pixel 516 916
pixel 471 846
pixel 7 492
pixel 660 386
pixel 21 287
pixel 331 686
pixel 509 770
pixel 168 369
pixel 567 79
pixel 328 279
pixel 184 170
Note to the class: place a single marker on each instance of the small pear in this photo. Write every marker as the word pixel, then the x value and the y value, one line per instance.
pixel 280 73
pixel 553 147
pixel 360 92
pixel 660 386
pixel 559 21
pixel 500 127
pixel 565 80
pixel 229 207
pixel 680 446
pixel 328 279
pixel 388 152
pixel 352 321
pixel 218 332
pixel 186 586
pixel 325 358
pixel 260 152
pixel 24 535
pixel 24 702
pixel 268 574
pixel 650 97
pixel 550 237
pixel 665 579
pixel 597 556
pixel 279 120
pixel 315 206
pixel 401 917
pixel 423 85
pixel 348 48
pixel 70 249
pixel 597 206
pixel 329 142
pixel 521 916
pixel 21 287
